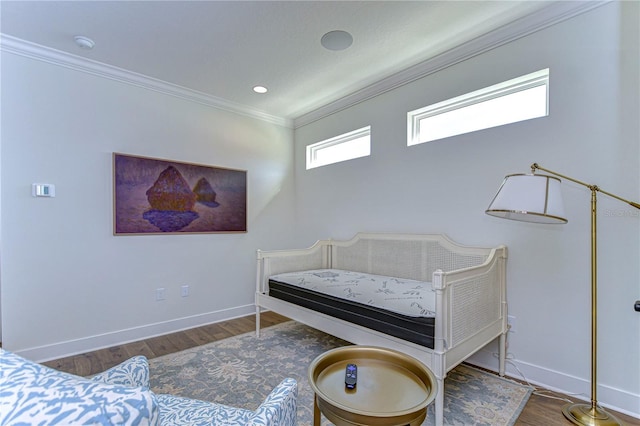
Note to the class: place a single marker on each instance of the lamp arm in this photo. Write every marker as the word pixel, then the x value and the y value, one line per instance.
pixel 536 166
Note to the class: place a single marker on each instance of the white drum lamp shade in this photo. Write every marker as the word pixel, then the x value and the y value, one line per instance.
pixel 529 198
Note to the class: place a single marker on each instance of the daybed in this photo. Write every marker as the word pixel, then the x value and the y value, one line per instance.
pixel 455 295
pixel 31 393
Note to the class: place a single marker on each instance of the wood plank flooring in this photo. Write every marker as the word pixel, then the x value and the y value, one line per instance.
pixel 539 411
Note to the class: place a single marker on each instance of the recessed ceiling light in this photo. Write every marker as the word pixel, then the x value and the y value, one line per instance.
pixel 336 40
pixel 84 42
pixel 260 89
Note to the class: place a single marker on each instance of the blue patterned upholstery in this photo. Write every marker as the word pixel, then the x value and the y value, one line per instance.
pixel 32 394
pixel 132 372
pixel 278 409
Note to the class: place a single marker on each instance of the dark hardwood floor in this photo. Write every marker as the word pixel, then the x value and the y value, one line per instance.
pixel 539 411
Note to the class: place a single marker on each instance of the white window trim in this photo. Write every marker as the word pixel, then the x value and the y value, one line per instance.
pixel 535 79
pixel 314 149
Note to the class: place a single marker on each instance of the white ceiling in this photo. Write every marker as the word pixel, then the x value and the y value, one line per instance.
pixel 221 49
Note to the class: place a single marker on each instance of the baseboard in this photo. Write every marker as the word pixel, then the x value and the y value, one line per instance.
pixel 577 387
pixel 119 337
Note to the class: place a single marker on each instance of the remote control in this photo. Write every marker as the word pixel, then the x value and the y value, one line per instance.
pixel 351 376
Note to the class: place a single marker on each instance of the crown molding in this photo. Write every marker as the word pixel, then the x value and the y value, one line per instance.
pixel 38 52
pixel 556 12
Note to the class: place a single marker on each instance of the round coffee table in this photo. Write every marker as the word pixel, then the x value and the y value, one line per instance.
pixel 392 388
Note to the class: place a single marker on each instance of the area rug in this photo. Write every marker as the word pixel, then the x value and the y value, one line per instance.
pixel 241 371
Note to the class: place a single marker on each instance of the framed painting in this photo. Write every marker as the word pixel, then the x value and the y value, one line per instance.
pixel 155 196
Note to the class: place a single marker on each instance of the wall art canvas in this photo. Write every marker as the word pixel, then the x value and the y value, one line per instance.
pixel 155 196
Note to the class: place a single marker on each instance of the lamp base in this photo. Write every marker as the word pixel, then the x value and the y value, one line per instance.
pixel 587 415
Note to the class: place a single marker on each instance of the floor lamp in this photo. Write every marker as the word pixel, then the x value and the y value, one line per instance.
pixel 537 198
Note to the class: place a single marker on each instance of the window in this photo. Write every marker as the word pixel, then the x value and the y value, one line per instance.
pixel 520 99
pixel 348 146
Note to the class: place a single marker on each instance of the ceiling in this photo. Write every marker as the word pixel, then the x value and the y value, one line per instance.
pixel 220 50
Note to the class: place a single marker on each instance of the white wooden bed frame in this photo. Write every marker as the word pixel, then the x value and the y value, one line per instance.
pixel 469 282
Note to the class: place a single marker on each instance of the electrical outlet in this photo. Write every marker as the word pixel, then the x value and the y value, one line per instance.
pixel 184 291
pixel 160 294
pixel 511 322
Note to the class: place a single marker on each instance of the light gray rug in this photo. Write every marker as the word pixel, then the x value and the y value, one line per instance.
pixel 242 370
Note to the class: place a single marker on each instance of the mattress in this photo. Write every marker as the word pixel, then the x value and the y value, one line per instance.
pixel 399 307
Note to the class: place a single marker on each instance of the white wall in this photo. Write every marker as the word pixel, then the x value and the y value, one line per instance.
pixel 68 284
pixel 445 186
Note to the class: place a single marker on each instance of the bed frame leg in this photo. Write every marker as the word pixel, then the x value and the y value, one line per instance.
pixel 257 321
pixel 439 413
pixel 503 353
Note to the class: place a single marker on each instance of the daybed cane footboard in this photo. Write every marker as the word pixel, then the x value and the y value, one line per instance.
pixel 469 285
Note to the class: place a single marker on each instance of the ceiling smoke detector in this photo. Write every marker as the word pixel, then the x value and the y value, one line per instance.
pixel 84 42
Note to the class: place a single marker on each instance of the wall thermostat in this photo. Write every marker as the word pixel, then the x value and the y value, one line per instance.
pixel 43 190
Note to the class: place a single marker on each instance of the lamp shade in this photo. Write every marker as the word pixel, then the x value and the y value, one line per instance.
pixel 529 198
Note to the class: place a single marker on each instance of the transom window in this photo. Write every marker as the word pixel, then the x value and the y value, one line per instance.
pixel 515 100
pixel 347 146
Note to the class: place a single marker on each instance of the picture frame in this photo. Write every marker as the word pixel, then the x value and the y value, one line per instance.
pixel 158 196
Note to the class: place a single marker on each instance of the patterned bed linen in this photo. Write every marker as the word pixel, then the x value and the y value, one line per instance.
pixel 399 295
